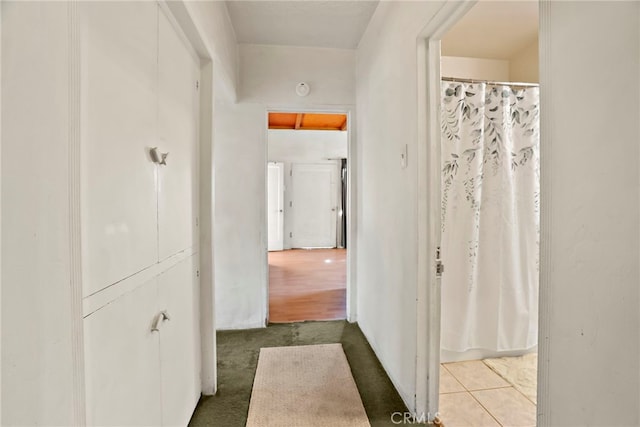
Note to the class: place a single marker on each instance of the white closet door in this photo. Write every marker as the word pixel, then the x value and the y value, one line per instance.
pixel 122 363
pixel 178 115
pixel 119 124
pixel 179 343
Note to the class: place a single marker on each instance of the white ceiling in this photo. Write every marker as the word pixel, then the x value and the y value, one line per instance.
pixel 493 29
pixel 332 24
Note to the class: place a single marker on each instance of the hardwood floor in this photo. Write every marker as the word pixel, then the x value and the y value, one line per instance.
pixel 307 285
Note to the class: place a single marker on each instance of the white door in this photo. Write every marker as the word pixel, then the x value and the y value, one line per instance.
pixel 178 72
pixel 275 206
pixel 314 197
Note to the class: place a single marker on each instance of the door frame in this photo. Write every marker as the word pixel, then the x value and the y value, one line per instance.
pixel 429 138
pixel 181 17
pixel 349 111
pixel 428 289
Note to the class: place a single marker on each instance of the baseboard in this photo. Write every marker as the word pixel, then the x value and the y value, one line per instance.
pixel 447 356
pixel 407 398
pixel 251 325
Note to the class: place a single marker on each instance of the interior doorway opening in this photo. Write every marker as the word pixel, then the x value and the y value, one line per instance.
pixel 481 69
pixel 307 192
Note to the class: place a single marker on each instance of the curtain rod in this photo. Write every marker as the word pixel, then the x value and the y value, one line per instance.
pixel 489 82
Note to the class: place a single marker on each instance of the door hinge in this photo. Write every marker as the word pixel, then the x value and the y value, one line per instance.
pixel 439 264
pixel 290 172
pixel 197 84
pixel 197 273
pixel 290 204
pixel 290 234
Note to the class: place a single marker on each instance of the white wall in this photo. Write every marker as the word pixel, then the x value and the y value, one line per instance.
pixel 209 28
pixel 524 66
pixel 268 78
pixel 269 75
pixel 306 145
pixel 218 80
pixel 239 164
pixel 387 263
pixel 590 277
pixel 475 68
pixel 214 25
pixel 303 146
pixel 37 360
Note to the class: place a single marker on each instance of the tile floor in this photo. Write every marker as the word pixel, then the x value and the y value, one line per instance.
pixel 471 394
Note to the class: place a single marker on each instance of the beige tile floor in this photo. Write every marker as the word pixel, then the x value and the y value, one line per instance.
pixel 472 395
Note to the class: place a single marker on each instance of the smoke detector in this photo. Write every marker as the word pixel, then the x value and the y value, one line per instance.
pixel 302 89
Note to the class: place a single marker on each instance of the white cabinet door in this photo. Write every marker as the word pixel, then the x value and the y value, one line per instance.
pixel 119 124
pixel 315 192
pixel 139 91
pixel 122 363
pixel 136 376
pixel 179 343
pixel 178 115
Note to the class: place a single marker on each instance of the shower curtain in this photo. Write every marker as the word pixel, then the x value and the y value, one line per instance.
pixel 490 216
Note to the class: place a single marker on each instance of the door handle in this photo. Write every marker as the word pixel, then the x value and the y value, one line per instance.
pixel 162 316
pixel 158 157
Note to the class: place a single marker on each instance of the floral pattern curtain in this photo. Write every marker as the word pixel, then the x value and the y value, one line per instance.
pixel 490 216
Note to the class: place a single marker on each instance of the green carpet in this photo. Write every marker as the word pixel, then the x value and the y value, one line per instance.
pixel 238 357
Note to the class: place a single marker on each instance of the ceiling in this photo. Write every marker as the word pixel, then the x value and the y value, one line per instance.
pixel 330 24
pixel 307 121
pixel 494 30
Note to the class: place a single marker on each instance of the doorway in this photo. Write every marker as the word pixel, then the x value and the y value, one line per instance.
pixel 307 216
pixel 459 63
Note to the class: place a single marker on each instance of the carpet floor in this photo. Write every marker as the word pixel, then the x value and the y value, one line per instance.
pixel 238 357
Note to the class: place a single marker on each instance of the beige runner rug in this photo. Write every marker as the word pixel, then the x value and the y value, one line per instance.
pixel 305 386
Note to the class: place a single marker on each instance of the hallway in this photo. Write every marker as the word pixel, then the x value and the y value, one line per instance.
pixel 134 218
pixel 238 356
pixel 307 285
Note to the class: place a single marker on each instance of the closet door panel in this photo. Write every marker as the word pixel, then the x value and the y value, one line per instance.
pixel 119 124
pixel 178 132
pixel 122 363
pixel 179 343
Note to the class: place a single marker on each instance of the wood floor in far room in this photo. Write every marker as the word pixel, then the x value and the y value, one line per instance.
pixel 307 284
